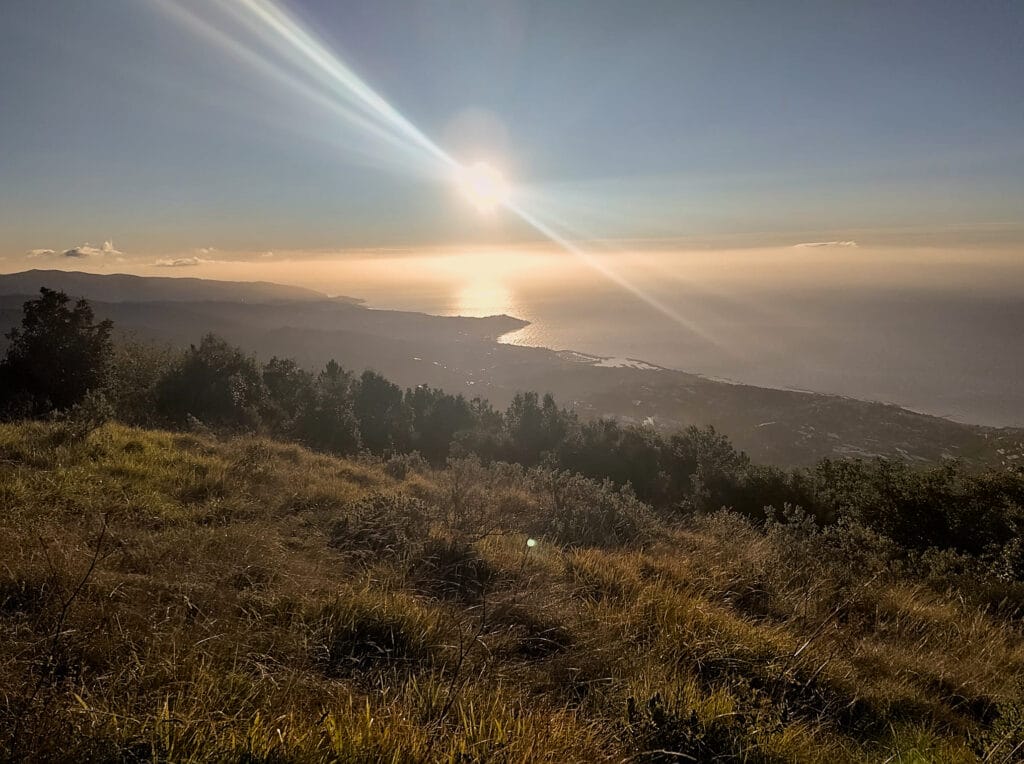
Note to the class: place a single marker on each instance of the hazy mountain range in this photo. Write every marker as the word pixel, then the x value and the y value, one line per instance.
pixel 464 355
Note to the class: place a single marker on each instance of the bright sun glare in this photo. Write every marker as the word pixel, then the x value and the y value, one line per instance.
pixel 483 186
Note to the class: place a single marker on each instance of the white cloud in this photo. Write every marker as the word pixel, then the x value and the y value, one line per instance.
pixel 809 244
pixel 87 250
pixel 82 250
pixel 179 262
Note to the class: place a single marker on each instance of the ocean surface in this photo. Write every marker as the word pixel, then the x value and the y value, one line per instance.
pixel 936 331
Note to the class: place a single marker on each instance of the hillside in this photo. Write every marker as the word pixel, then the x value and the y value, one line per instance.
pixel 123 287
pixel 175 597
pixel 463 355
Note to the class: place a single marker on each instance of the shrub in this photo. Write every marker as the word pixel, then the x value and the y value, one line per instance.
pixel 845 551
pixel 577 511
pixel 135 373
pixel 462 496
pixel 945 507
pixel 401 466
pixel 1005 739
pixel 91 412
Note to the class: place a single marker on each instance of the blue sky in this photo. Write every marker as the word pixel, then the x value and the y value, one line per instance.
pixel 118 122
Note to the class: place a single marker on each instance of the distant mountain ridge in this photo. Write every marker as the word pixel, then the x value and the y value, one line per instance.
pixel 123 287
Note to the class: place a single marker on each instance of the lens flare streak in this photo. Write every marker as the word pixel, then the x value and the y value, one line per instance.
pixel 336 86
pixel 352 86
pixel 282 76
pixel 595 263
pixel 262 35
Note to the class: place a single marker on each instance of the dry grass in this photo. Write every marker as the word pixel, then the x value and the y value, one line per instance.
pixel 175 598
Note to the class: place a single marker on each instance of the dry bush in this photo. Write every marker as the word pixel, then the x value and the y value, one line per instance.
pixel 576 511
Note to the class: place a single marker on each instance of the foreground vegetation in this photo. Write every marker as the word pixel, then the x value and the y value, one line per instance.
pixel 178 597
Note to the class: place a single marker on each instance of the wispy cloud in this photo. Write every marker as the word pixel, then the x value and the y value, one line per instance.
pixel 809 244
pixel 180 262
pixel 82 250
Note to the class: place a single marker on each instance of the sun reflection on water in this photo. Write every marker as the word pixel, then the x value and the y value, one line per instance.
pixel 484 298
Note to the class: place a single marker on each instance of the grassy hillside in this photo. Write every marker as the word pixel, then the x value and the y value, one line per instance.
pixel 172 597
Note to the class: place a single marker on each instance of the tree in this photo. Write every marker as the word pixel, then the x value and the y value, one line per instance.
pixel 483 433
pixel 535 427
pixel 133 379
pixel 602 448
pixel 437 418
pixel 327 421
pixel 378 407
pixel 289 390
pixel 215 383
pixel 58 355
pixel 704 465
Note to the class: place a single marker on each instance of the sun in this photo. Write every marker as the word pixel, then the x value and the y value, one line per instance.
pixel 483 186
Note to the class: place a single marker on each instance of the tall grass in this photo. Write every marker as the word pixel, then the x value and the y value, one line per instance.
pixel 180 598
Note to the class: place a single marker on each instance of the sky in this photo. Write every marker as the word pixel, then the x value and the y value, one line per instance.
pixel 165 133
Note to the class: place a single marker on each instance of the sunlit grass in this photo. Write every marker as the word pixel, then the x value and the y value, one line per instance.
pixel 179 598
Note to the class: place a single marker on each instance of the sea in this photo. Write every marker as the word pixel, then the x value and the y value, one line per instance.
pixel 934 330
